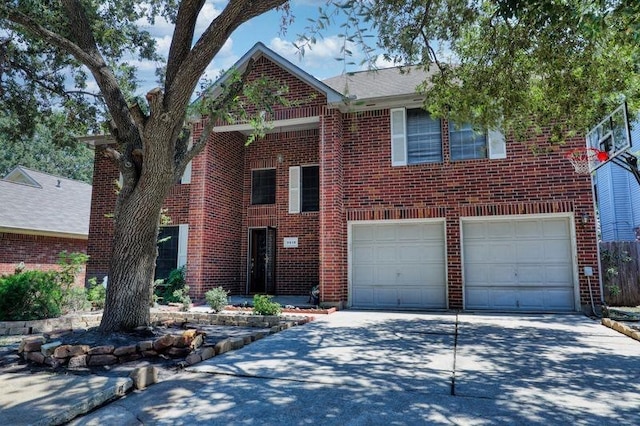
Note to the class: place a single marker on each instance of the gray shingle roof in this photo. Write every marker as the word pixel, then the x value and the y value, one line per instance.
pixel 387 82
pixel 56 206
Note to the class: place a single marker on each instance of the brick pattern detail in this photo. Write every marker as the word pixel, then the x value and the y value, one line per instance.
pixel 357 183
pixel 37 252
pixel 333 271
pixel 523 183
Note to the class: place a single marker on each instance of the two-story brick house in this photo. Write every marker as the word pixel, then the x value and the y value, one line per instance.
pixel 358 189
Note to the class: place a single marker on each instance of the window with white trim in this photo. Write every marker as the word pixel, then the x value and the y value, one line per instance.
pixel 416 138
pixel 172 249
pixel 304 189
pixel 465 143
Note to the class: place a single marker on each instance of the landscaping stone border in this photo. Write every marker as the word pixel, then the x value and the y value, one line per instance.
pixel 245 319
pixel 47 348
pixel 621 328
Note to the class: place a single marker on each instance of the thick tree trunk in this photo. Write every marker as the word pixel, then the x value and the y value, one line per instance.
pixel 133 260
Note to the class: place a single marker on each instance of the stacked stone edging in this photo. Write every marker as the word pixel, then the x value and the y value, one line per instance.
pixel 190 344
pixel 621 328
pixel 93 320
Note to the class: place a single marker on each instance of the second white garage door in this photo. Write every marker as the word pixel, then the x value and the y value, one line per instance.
pixel 518 264
pixel 398 265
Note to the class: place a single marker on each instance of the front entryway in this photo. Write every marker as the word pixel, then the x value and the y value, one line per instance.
pixel 262 260
pixel 398 265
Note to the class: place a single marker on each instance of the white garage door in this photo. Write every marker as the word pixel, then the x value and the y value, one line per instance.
pixel 398 265
pixel 518 264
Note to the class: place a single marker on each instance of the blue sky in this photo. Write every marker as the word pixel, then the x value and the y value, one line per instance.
pixel 319 61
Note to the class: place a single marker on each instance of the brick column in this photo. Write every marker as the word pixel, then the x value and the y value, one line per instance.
pixel 333 232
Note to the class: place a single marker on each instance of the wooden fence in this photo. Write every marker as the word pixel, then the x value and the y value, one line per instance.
pixel 621 272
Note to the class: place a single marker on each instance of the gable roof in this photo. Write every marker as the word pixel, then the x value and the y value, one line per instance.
pixel 260 50
pixel 380 84
pixel 33 202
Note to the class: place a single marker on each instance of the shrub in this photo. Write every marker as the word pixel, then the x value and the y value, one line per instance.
pixel 182 296
pixel 30 295
pixel 75 299
pixel 263 305
pixel 96 294
pixel 217 298
pixel 165 290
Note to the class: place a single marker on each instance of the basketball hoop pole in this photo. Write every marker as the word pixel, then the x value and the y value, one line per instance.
pixel 629 162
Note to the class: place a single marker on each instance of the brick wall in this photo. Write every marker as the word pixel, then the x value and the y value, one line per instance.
pixel 37 252
pixel 523 183
pixel 296 268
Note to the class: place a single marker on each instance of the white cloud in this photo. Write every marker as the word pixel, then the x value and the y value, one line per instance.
pixel 319 59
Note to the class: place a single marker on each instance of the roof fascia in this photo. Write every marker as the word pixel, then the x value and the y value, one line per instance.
pixel 384 102
pixel 43 233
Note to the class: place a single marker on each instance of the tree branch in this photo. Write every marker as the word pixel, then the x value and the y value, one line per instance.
pixel 182 36
pixel 191 68
pixel 224 99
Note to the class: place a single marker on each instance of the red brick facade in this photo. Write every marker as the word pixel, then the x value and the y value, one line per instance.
pixel 357 182
pixel 36 252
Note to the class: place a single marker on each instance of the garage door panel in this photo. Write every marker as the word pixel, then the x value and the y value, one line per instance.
pixel 526 265
pixel 526 229
pixel 363 254
pixel 403 266
pixel 485 251
pixel 385 253
pixel 499 230
pixel 529 252
pixel 556 228
pixel 363 233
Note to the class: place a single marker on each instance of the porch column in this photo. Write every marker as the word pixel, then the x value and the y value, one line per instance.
pixel 333 233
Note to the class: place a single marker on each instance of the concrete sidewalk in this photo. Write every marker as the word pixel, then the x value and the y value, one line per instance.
pixel 358 368
pixel 51 399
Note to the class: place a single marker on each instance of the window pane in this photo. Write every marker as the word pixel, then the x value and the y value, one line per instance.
pixel 167 259
pixel 424 138
pixel 466 144
pixel 310 189
pixel 263 186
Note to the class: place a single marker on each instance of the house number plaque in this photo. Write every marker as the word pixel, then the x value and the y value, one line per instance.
pixel 290 242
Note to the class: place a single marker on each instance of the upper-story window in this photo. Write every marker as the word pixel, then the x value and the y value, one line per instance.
pixel 424 137
pixel 465 143
pixel 416 139
pixel 263 186
pixel 304 189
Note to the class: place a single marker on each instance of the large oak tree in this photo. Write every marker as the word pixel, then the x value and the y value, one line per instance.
pixel 46 41
pixel 523 64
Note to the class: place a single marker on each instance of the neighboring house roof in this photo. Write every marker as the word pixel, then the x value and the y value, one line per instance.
pixel 37 203
pixel 382 83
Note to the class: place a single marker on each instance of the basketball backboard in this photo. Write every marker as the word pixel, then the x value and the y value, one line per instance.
pixel 612 135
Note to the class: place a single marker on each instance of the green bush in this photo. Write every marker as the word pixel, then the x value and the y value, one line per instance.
pixel 263 305
pixel 165 290
pixel 217 298
pixel 30 295
pixel 75 299
pixel 96 294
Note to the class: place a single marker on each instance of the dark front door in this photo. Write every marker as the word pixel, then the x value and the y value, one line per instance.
pixel 262 260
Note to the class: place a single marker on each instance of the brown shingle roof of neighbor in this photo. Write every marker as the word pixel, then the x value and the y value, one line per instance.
pixel 381 83
pixel 33 202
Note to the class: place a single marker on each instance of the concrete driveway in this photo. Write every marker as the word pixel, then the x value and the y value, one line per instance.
pixel 370 368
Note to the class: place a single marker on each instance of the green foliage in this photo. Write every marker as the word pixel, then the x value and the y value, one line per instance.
pixel 51 148
pixel 172 289
pixel 217 298
pixel 96 294
pixel 538 66
pixel 263 305
pixel 75 300
pixel 30 295
pixel 182 296
pixel 611 261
